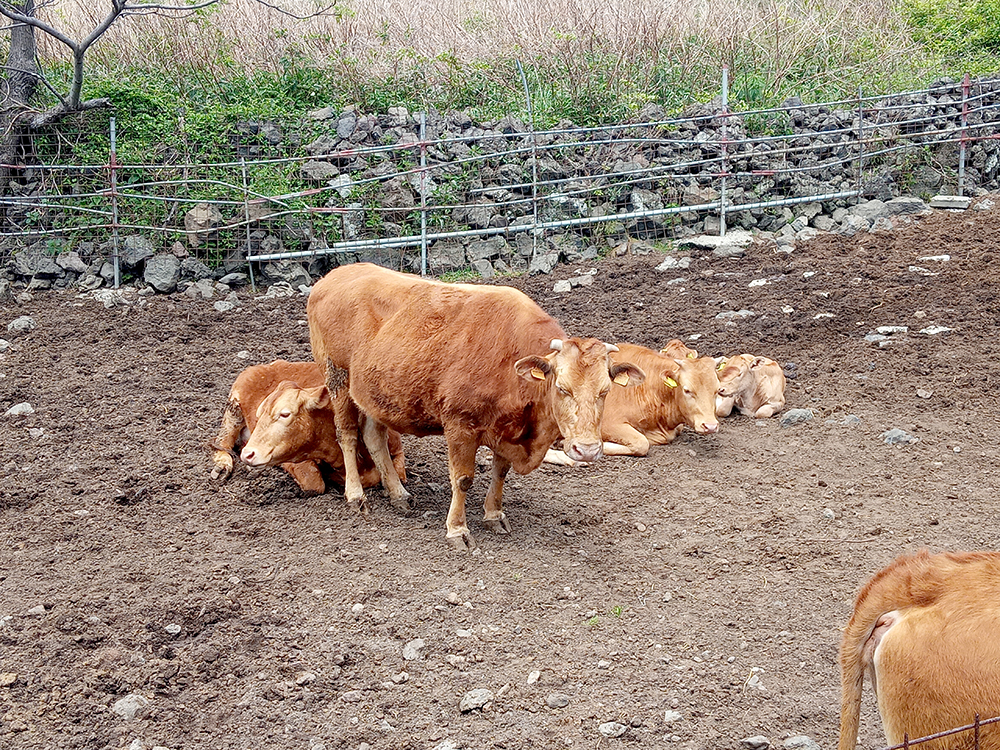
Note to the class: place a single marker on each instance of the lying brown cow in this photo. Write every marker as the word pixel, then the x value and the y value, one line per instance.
pixel 754 385
pixel 281 413
pixel 483 365
pixel 927 631
pixel 675 394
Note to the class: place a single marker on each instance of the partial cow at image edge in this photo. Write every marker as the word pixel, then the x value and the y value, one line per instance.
pixel 926 630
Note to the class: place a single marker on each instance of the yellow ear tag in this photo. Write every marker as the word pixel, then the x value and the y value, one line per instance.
pixel 692 355
pixel 670 382
pixel 622 378
pixel 721 367
pixel 537 374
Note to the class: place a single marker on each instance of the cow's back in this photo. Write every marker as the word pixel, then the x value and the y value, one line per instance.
pixel 348 306
pixel 449 352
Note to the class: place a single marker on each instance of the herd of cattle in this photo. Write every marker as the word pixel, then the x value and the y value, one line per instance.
pixel 486 366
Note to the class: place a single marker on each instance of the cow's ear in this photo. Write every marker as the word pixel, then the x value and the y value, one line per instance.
pixel 318 397
pixel 533 367
pixel 758 362
pixel 720 363
pixel 626 374
pixel 727 372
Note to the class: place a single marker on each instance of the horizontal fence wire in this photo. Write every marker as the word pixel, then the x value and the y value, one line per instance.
pixel 974 727
pixel 419 190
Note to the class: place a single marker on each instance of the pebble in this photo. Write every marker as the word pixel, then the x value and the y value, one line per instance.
pixel 672 717
pixel 800 742
pixel 922 393
pixel 612 729
pixel 357 609
pixel 351 696
pixel 20 410
pixel 173 628
pixel 130 706
pixel 557 700
pixel 463 633
pixel 735 315
pixel 795 416
pixel 411 651
pixel 36 432
pixel 534 676
pixel 36 611
pixel 757 742
pixel 829 514
pixel 7 678
pixel 934 330
pixel 897 436
pixel 4 346
pixel 305 678
pixel 453 598
pixel 604 664
pixel 475 699
pixel 400 678
pixel 24 324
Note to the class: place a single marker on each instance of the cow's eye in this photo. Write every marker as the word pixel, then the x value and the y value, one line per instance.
pixel 562 391
pixel 603 393
pixel 688 392
pixel 285 415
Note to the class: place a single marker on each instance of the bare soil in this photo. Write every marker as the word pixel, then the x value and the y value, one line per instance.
pixel 704 578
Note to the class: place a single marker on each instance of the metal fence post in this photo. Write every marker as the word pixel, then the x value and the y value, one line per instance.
pixel 423 193
pixel 861 145
pixel 724 135
pixel 534 160
pixel 966 85
pixel 246 218
pixel 113 166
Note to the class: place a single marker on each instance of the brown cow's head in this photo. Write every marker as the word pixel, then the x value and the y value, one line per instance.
pixel 578 375
pixel 285 426
pixel 693 384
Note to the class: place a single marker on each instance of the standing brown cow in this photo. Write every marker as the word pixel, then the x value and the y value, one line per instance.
pixel 926 629
pixel 482 365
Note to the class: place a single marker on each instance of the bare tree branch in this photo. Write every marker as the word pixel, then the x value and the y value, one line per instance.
pixel 55 92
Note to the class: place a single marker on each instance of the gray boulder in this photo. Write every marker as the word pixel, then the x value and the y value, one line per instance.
pixel 162 273
pixel 72 262
pixel 201 222
pixel 35 262
pixel 288 271
pixel 135 251
pixel 192 268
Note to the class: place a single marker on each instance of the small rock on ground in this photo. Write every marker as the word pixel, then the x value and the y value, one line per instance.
pixel 475 699
pixel 612 729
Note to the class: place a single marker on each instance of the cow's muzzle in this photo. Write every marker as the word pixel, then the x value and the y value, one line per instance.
pixel 580 451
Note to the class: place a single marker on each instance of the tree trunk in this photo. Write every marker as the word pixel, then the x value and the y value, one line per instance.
pixel 19 86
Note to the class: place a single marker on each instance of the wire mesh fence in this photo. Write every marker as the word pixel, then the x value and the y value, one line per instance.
pixel 433 192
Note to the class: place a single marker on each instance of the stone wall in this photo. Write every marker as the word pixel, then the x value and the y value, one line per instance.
pixel 598 190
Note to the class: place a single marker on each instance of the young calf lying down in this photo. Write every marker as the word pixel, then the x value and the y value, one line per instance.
pixel 281 414
pixel 754 385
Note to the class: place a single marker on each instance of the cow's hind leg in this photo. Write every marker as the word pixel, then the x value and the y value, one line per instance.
pixel 493 516
pixel 229 434
pixel 376 436
pixel 462 446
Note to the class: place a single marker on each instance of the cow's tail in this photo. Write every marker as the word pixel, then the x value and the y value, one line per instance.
pixel 911 580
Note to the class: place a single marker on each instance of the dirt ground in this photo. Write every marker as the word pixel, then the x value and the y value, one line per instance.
pixel 706 579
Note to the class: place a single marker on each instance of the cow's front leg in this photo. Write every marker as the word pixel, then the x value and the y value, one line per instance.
pixel 233 425
pixel 376 437
pixel 346 420
pixel 307 476
pixel 462 446
pixel 493 515
pixel 624 440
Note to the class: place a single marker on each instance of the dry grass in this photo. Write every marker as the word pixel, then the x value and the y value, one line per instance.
pixel 384 34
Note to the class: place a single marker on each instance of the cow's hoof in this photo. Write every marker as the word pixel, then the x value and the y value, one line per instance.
pixel 222 472
pixel 498 525
pixel 358 505
pixel 462 540
pixel 401 503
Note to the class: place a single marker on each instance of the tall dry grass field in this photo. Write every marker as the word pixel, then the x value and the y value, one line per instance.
pixel 383 37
